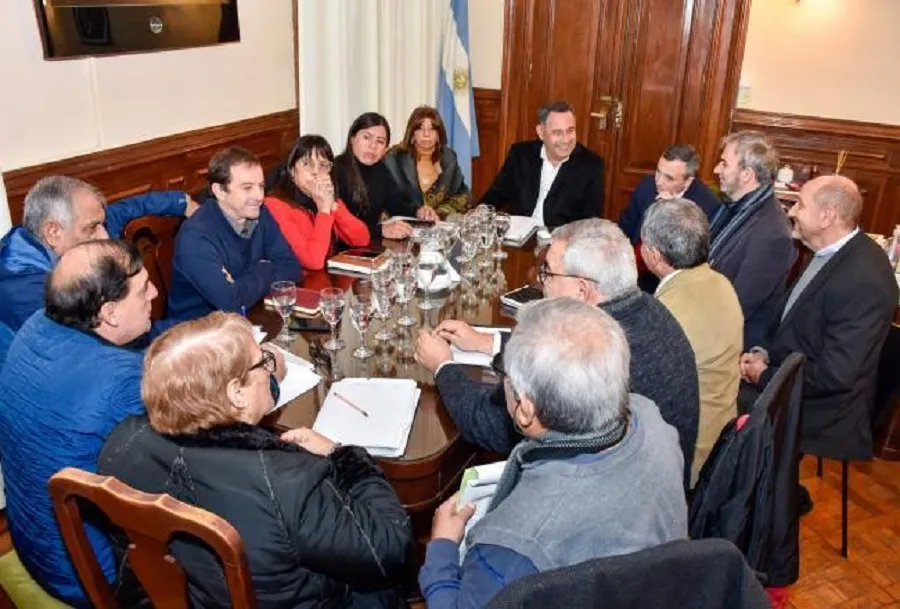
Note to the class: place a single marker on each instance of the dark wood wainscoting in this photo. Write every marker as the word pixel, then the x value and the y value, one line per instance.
pixel 873 162
pixel 487 116
pixel 175 162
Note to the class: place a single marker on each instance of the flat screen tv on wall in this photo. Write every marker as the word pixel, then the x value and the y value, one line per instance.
pixel 79 28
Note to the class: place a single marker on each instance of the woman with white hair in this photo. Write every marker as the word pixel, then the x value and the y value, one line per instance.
pixel 321 525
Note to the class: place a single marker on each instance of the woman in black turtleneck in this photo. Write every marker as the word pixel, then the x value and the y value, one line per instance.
pixel 365 184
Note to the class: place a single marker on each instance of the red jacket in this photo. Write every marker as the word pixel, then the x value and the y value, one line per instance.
pixel 309 235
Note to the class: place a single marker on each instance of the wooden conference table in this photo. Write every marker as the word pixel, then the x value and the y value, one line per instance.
pixel 436 455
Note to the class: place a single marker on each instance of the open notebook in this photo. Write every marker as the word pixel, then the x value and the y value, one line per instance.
pixel 520 230
pixel 390 407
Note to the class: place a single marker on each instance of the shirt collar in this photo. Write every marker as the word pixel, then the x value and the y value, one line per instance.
pixel 243 229
pixel 828 250
pixel 665 280
pixel 547 160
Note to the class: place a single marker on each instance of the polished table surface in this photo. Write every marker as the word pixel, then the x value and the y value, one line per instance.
pixel 436 455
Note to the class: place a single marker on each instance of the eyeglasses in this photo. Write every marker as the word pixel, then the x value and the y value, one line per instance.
pixel 267 361
pixel 544 272
pixel 309 164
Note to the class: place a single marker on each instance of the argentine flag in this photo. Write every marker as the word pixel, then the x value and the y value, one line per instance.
pixel 455 100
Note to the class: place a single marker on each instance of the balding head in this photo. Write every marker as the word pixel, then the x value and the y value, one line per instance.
pixel 828 209
pixel 101 287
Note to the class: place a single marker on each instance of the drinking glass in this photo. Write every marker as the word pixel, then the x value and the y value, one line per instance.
pixel 430 264
pixel 361 311
pixel 382 298
pixel 405 287
pixel 284 295
pixel 501 225
pixel 488 235
pixel 331 302
pixel 402 263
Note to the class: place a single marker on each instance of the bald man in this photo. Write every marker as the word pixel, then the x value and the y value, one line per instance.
pixel 837 314
pixel 67 382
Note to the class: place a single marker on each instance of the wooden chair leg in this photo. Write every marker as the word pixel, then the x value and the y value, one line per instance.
pixel 844 474
pixel 819 467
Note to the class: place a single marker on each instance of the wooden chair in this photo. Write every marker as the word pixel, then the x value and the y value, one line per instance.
pixel 154 236
pixel 149 521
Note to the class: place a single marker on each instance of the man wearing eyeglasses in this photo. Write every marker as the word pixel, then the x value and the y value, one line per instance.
pixel 591 261
pixel 230 251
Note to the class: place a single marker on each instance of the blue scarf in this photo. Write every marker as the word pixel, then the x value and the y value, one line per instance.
pixel 732 216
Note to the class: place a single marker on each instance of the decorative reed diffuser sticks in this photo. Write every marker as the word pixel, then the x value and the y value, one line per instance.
pixel 842 158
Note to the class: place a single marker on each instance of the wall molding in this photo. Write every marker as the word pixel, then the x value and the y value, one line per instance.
pixel 173 162
pixel 873 161
pixel 487 116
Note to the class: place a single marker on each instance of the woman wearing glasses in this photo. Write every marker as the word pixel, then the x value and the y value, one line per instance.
pixel 425 167
pixel 320 524
pixel 304 205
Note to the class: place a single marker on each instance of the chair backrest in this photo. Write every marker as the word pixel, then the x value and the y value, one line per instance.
pixel 781 403
pixel 149 522
pixel 662 576
pixel 6 339
pixel 154 236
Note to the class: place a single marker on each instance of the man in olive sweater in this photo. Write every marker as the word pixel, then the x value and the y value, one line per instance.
pixel 591 261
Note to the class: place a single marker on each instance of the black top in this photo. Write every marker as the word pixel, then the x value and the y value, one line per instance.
pixel 576 193
pixel 382 192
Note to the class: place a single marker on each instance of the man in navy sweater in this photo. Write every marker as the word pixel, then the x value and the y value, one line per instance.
pixel 229 253
pixel 60 213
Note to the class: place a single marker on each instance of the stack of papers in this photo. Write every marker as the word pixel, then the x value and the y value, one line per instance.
pixel 389 406
pixel 476 358
pixel 520 229
pixel 300 377
pixel 477 487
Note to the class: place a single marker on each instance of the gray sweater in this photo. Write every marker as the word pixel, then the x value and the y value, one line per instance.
pixel 662 369
pixel 622 500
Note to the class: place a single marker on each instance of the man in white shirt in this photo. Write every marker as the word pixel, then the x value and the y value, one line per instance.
pixel 554 179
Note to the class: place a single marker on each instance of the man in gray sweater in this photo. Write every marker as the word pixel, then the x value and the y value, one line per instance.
pixel 591 261
pixel 598 473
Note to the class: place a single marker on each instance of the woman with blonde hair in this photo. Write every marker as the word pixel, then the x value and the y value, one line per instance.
pixel 321 526
pixel 425 167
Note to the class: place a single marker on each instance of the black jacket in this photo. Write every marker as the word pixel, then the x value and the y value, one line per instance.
pixel 576 193
pixel 449 193
pixel 316 531
pixel 708 574
pixel 839 323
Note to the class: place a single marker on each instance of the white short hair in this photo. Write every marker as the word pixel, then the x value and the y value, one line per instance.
pixel 572 360
pixel 52 198
pixel 598 250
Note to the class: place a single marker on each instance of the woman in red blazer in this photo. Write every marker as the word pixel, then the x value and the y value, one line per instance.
pixel 305 208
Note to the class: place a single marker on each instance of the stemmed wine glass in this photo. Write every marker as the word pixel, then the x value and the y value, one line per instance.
pixel 501 224
pixel 331 302
pixel 383 299
pixel 405 287
pixel 361 311
pixel 284 295
pixel 488 235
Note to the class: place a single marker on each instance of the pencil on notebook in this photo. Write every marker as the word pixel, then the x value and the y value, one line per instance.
pixel 351 404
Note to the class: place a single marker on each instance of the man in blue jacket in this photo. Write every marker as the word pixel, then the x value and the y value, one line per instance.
pixel 67 382
pixel 61 212
pixel 229 252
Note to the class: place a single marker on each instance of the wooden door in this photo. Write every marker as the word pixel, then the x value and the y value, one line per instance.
pixel 660 71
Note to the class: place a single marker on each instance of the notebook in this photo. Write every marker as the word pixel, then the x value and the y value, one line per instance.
pixel 358 261
pixel 520 230
pixel 390 407
pixel 477 487
pixel 476 358
pixel 307 302
pixel 300 377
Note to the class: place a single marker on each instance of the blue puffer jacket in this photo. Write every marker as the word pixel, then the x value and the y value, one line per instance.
pixel 25 261
pixel 62 391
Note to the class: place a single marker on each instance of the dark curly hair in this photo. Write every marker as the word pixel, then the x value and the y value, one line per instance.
pixel 76 301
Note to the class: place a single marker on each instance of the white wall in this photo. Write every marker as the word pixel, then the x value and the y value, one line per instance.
pixel 51 110
pixel 830 58
pixel 486 42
